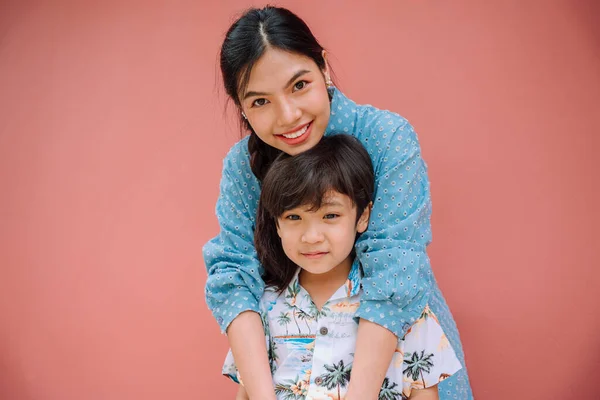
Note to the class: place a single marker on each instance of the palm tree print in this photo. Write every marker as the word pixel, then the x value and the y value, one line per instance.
pixel 272 354
pixel 292 389
pixel 305 317
pixel 388 391
pixel 291 295
pixel 416 364
pixel 284 320
pixel 292 292
pixel 272 350
pixel 265 321
pixel 427 313
pixel 293 308
pixel 338 376
pixel 316 313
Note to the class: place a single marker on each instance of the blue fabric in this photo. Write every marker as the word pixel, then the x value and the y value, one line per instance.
pixel 398 281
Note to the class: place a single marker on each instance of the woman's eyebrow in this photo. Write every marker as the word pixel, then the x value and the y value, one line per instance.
pixel 289 82
pixel 296 76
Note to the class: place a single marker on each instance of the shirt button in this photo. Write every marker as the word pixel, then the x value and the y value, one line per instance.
pixel 318 381
pixel 323 331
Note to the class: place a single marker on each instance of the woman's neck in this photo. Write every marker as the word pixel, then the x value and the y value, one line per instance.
pixel 321 287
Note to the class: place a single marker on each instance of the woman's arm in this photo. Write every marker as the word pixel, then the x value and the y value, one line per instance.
pixel 241 394
pixel 392 252
pixel 234 284
pixel 247 341
pixel 375 347
pixel 397 275
pixel 431 393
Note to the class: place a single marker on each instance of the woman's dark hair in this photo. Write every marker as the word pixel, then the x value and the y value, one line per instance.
pixel 245 42
pixel 339 163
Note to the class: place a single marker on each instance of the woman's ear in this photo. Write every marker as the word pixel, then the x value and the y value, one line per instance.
pixel 363 221
pixel 326 69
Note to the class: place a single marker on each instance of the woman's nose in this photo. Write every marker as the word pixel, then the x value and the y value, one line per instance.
pixel 289 114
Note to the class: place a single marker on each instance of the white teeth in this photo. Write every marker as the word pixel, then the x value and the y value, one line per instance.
pixel 296 134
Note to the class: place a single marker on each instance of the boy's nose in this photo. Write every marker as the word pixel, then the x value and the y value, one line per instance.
pixel 312 236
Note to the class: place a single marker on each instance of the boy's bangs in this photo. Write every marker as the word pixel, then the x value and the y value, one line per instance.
pixel 306 189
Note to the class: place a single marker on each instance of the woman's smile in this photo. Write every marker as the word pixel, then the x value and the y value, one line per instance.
pixel 297 136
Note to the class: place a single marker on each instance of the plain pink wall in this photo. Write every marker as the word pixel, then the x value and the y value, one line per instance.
pixel 111 139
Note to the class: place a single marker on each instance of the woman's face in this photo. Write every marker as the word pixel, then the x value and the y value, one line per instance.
pixel 286 101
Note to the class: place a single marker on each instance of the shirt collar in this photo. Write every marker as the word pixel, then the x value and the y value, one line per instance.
pixel 343 110
pixel 352 285
pixel 350 288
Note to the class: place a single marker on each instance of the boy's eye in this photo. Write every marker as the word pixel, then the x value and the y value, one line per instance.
pixel 331 216
pixel 293 217
pixel 259 102
pixel 300 85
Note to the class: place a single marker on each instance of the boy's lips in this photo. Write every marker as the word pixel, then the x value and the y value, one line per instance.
pixel 315 254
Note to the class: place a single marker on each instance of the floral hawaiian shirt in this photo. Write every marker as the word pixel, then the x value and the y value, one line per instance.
pixel 311 351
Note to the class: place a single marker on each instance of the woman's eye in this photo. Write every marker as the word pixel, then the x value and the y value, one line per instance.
pixel 293 217
pixel 331 216
pixel 300 85
pixel 259 102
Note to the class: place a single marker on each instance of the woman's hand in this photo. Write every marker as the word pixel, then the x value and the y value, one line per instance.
pixel 375 347
pixel 431 393
pixel 247 342
pixel 241 394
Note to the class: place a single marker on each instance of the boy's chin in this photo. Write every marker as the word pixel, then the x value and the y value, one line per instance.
pixel 317 271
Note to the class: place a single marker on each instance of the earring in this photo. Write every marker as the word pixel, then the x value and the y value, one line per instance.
pixel 329 83
pixel 244 116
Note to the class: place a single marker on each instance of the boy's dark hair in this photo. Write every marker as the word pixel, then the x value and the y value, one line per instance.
pixel 339 163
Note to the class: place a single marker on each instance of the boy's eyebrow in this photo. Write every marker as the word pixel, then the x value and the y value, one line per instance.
pixel 289 82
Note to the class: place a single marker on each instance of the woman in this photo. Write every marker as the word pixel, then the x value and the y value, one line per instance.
pixel 277 74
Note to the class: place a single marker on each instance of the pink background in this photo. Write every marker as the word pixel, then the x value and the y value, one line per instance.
pixel 111 138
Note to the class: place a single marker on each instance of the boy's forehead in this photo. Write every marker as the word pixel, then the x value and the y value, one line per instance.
pixel 331 198
pixel 335 199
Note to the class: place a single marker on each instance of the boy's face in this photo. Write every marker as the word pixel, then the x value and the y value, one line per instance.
pixel 320 240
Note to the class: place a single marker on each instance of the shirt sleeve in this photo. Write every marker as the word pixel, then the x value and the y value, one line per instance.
pixel 230 370
pixel 234 282
pixel 425 355
pixel 397 274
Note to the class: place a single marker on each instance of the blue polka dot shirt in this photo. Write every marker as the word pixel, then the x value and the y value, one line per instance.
pixel 392 251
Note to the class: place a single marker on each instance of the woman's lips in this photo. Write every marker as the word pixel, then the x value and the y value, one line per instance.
pixel 299 139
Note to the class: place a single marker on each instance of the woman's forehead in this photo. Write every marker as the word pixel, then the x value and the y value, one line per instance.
pixel 274 69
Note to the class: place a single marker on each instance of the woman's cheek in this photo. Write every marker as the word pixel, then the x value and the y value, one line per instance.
pixel 260 126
